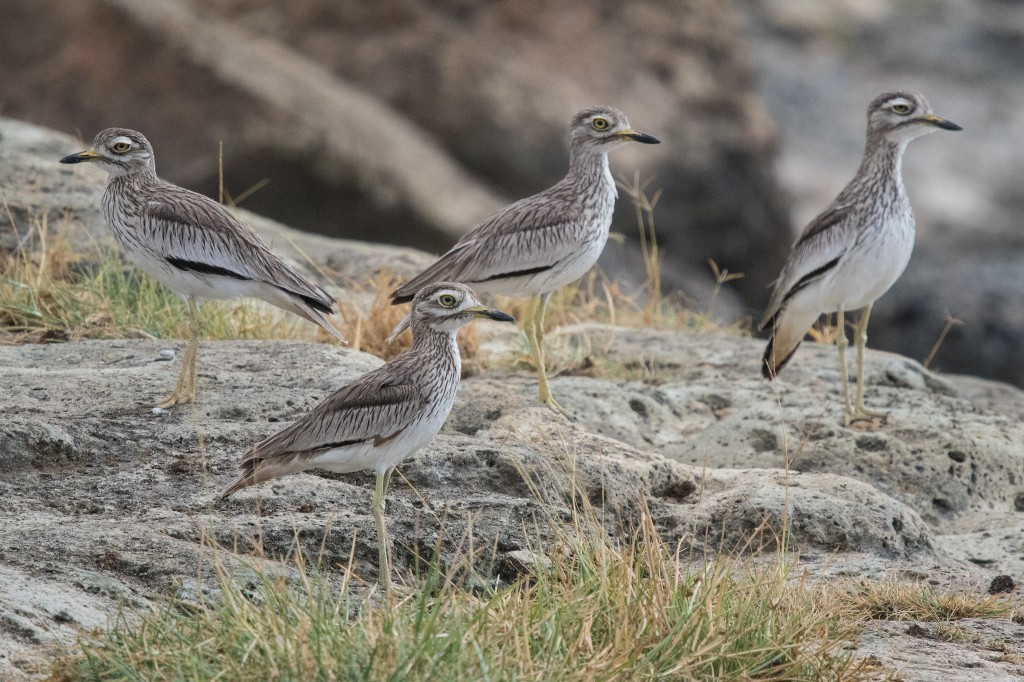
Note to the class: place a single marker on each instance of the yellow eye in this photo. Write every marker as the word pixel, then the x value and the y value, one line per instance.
pixel 447 300
pixel 121 147
pixel 901 109
pixel 600 123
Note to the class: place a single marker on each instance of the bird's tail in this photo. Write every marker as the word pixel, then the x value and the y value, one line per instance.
pixel 316 317
pixel 256 469
pixel 788 329
pixel 302 307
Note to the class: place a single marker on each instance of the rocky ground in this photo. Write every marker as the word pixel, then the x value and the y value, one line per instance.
pixel 105 503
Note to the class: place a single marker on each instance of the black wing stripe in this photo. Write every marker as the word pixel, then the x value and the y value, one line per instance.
pixel 340 444
pixel 810 277
pixel 203 268
pixel 398 298
pixel 207 269
pixel 517 273
pixel 803 282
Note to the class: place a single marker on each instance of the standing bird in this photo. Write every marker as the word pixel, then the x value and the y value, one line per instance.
pixel 192 245
pixel 383 416
pixel 851 254
pixel 542 243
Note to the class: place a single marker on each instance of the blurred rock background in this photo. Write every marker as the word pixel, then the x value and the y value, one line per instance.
pixel 820 61
pixel 406 122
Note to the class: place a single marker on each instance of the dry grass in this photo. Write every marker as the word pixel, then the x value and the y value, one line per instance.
pixel 603 610
pixel 52 293
pixel 903 600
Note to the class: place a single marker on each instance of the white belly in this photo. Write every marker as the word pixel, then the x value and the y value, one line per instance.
pixel 379 458
pixel 366 455
pixel 869 269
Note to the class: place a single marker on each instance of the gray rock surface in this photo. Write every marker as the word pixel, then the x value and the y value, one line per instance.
pixel 107 503
pixel 937 452
pixel 967 650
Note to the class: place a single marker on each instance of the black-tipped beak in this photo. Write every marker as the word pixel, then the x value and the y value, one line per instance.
pixel 490 313
pixel 87 155
pixel 642 137
pixel 940 122
pixel 498 315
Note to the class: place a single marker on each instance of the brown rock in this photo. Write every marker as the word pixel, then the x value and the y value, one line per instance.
pixel 296 91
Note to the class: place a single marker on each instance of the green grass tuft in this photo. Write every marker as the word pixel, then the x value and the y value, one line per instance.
pixel 601 611
pixel 54 294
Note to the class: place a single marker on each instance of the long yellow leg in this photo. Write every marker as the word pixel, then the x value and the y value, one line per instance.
pixel 185 387
pixel 529 328
pixel 860 413
pixel 383 543
pixel 844 373
pixel 544 393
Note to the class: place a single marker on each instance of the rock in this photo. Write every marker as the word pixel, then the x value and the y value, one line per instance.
pixel 112 504
pixel 970 649
pixel 389 122
pixel 991 396
pixel 995 542
pixel 983 292
pixel 704 403
pixel 473 75
pixel 334 154
pixel 522 562
pixel 1002 583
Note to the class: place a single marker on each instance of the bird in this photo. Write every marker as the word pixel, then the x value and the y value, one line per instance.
pixel 192 245
pixel 854 250
pixel 542 243
pixel 384 415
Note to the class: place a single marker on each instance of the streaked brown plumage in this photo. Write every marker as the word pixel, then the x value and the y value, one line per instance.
pixel 540 244
pixel 851 254
pixel 192 244
pixel 383 416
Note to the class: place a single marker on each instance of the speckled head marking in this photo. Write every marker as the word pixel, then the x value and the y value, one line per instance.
pixel 119 151
pixel 604 127
pixel 902 116
pixel 446 306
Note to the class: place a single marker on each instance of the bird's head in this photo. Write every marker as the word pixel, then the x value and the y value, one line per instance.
pixel 902 116
pixel 118 151
pixel 446 306
pixel 603 128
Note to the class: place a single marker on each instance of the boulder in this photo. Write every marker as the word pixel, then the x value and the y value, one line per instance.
pixel 391 122
pixel 703 402
pixel 109 503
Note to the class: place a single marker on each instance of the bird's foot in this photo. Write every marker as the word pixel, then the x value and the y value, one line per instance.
pixel 862 414
pixel 549 400
pixel 176 398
